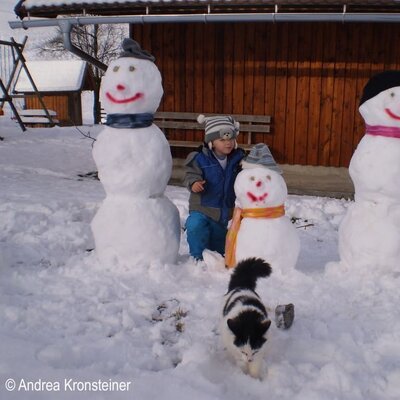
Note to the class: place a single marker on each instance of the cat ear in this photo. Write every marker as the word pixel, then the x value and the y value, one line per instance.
pixel 232 324
pixel 265 325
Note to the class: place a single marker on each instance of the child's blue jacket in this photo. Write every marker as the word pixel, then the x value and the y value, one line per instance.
pixel 218 198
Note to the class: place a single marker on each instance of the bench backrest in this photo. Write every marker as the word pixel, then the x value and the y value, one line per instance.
pixel 187 120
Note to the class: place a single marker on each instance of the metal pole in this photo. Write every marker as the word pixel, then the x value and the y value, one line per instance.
pixel 66 27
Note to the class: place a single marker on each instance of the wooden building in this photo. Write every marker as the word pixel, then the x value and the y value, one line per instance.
pixel 307 74
pixel 60 83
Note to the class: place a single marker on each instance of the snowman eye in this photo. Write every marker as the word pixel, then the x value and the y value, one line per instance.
pixel 131 68
pixel 252 178
pixel 116 68
pixel 392 94
pixel 269 177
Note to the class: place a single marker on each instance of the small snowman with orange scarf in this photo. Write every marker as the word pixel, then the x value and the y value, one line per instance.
pixel 259 225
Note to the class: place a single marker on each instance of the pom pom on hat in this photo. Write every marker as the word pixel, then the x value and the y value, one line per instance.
pixel 219 127
pixel 131 48
pixel 260 156
pixel 379 83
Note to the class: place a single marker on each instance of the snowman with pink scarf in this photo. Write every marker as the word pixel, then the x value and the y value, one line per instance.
pixel 369 235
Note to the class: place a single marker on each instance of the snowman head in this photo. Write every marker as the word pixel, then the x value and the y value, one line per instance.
pixel 380 102
pixel 132 83
pixel 260 187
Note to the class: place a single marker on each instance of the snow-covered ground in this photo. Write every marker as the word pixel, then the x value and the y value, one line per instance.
pixel 152 329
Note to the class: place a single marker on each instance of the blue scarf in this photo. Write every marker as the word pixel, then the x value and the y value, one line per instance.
pixel 122 121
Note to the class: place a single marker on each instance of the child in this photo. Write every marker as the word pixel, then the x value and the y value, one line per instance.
pixel 210 173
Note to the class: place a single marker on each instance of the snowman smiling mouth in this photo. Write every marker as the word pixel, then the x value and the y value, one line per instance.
pixel 126 100
pixel 391 113
pixel 255 198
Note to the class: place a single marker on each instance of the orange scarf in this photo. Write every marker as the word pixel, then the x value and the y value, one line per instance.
pixel 238 215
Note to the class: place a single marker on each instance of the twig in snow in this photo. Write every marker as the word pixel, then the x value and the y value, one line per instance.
pixel 86 135
pixel 304 226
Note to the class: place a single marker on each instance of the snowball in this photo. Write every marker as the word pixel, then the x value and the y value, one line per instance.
pixel 369 236
pixel 131 86
pixel 375 168
pixel 260 187
pixel 133 162
pixel 141 230
pixel 378 110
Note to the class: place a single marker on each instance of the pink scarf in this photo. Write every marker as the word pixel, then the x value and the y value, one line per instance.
pixel 386 131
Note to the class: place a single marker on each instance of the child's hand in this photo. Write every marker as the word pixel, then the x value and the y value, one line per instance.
pixel 198 186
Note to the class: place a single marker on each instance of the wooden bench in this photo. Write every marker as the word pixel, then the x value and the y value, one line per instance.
pixel 33 117
pixel 249 124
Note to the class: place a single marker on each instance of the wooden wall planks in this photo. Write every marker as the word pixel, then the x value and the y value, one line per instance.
pixel 307 76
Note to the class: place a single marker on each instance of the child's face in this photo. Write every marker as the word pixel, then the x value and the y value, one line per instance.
pixel 223 147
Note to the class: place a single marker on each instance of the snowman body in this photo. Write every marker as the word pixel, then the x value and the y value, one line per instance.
pixel 273 239
pixel 136 223
pixel 143 230
pixel 125 161
pixel 369 235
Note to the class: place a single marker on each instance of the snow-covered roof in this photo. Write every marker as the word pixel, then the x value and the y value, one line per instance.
pixel 52 8
pixel 53 76
pixel 41 3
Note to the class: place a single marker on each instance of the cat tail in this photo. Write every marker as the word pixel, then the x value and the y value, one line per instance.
pixel 247 272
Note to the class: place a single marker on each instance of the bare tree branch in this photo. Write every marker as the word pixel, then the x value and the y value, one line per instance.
pixel 100 41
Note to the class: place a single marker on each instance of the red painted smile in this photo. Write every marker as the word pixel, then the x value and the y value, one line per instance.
pixel 392 114
pixel 122 101
pixel 255 198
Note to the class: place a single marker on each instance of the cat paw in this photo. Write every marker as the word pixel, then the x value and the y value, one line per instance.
pixel 255 373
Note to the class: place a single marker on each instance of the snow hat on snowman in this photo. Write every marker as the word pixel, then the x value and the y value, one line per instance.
pixel 379 104
pixel 131 48
pixel 219 127
pixel 260 156
pixel 379 83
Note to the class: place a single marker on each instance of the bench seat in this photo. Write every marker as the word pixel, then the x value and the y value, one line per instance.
pixel 38 117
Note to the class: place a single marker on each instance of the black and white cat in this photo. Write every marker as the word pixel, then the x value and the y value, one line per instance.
pixel 245 320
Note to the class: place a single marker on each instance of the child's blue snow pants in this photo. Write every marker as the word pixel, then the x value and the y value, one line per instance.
pixel 204 233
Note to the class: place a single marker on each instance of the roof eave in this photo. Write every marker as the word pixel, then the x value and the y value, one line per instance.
pixel 193 7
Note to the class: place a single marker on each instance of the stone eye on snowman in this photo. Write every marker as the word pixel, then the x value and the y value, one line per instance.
pixel 259 226
pixel 369 235
pixel 136 222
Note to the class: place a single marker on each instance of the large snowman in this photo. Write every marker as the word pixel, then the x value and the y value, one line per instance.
pixel 259 227
pixel 136 223
pixel 369 235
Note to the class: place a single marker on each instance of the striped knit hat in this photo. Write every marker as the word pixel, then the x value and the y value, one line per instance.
pixel 219 127
pixel 260 156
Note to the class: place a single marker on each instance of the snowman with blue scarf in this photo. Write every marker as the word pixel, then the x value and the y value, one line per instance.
pixel 136 222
